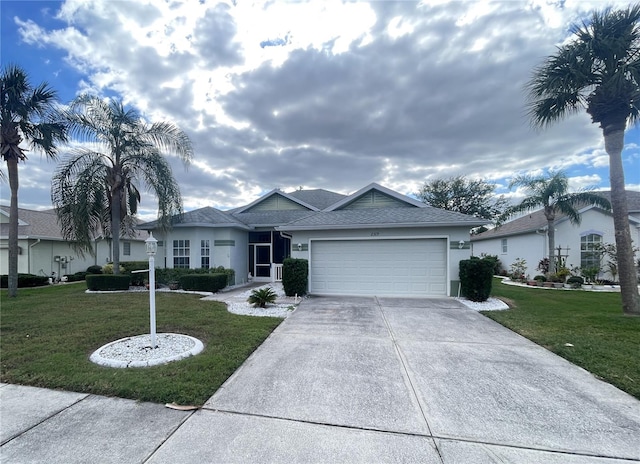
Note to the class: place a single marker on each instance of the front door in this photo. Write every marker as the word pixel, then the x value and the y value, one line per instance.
pixel 260 260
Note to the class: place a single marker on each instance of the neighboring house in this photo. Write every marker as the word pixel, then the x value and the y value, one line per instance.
pixel 526 237
pixel 42 250
pixel 372 242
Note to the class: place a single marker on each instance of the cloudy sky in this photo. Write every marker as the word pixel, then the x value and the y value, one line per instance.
pixel 320 94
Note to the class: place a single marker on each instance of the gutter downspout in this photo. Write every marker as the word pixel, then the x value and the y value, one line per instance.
pixel 290 237
pixel 29 260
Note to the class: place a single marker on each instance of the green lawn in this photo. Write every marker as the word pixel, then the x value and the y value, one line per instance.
pixel 49 333
pixel 605 342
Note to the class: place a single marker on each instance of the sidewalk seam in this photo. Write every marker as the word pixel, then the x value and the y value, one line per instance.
pixel 87 395
pixel 408 377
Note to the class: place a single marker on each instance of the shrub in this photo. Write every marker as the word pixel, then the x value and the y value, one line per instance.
pixel 261 296
pixel 77 277
pixel 230 273
pixel 108 282
pixel 540 278
pixel 518 268
pixel 137 278
pixel 203 282
pixel 575 281
pixel 95 269
pixel 25 280
pixel 497 265
pixel 476 276
pixel 295 276
pixel 108 269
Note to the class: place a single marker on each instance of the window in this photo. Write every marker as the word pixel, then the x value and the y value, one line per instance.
pixel 126 248
pixel 589 254
pixel 181 254
pixel 504 245
pixel 204 254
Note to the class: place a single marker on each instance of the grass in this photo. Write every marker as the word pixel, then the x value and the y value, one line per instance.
pixel 605 341
pixel 49 333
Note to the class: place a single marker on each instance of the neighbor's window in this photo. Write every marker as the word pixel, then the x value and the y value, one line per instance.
pixel 589 256
pixel 504 245
pixel 126 248
pixel 181 254
pixel 204 254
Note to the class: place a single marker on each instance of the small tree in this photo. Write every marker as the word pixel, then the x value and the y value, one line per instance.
pixel 518 269
pixel 473 197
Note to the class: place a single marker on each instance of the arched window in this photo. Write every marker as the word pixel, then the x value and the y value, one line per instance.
pixel 589 254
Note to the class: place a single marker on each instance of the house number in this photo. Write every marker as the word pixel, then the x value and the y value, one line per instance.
pixel 375 234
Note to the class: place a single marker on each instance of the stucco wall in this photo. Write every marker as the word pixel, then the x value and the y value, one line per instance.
pixel 227 248
pixel 39 257
pixel 533 247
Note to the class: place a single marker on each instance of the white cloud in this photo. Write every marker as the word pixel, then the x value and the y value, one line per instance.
pixel 333 95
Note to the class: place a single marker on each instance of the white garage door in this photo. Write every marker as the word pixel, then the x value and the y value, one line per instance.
pixel 398 267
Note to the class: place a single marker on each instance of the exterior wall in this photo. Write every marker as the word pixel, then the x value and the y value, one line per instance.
pixel 534 247
pixel 227 248
pixel 530 247
pixel 453 234
pixel 44 257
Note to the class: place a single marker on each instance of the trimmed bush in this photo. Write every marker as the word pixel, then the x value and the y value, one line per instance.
pixel 108 282
pixel 540 278
pixel 497 265
pixel 95 269
pixel 295 276
pixel 25 280
pixel 230 273
pixel 203 282
pixel 77 277
pixel 138 278
pixel 165 275
pixel 476 276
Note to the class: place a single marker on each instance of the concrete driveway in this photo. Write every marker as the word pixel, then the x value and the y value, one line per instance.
pixel 354 380
pixel 407 380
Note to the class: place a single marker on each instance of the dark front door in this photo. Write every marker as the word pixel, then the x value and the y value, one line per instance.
pixel 260 259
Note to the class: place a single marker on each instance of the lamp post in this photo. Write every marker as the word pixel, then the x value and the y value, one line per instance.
pixel 151 245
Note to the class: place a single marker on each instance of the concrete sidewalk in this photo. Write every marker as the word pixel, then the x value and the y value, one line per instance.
pixel 353 380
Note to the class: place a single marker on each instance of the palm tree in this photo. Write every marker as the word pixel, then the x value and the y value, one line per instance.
pixel 551 193
pixel 28 114
pixel 599 70
pixel 95 190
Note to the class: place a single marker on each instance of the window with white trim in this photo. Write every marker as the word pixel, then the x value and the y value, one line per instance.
pixel 126 248
pixel 589 253
pixel 205 253
pixel 504 246
pixel 181 252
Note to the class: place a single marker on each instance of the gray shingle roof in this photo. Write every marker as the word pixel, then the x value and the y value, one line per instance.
pixel 43 225
pixel 39 224
pixel 411 217
pixel 319 198
pixel 206 217
pixel 271 218
pixel 536 220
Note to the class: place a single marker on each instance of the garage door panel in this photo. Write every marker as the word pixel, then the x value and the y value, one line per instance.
pixel 412 267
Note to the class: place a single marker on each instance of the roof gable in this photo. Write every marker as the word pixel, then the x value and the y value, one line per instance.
pixel 320 198
pixel 375 196
pixel 276 200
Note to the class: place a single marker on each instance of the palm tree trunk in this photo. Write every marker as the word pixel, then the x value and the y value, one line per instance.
pixel 551 233
pixel 613 143
pixel 12 170
pixel 115 229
